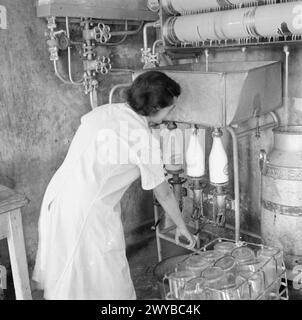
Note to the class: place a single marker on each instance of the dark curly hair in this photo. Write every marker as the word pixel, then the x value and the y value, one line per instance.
pixel 151 91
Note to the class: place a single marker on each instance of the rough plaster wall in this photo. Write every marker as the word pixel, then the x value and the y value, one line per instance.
pixel 39 116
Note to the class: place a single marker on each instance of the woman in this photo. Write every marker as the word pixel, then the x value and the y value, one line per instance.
pixel 81 252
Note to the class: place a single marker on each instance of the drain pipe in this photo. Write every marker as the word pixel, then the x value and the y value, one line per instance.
pixel 116 87
pixel 236 183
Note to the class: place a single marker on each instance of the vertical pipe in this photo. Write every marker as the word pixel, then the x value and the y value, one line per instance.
pixel 159 248
pixel 93 98
pixel 286 95
pixel 236 183
pixel 206 52
pixel 145 35
pixel 79 82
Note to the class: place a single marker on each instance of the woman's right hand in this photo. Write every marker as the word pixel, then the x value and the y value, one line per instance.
pixel 188 235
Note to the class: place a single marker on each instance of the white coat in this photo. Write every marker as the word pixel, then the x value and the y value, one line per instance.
pixel 81 249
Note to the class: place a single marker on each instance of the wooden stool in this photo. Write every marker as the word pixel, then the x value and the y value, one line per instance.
pixel 11 228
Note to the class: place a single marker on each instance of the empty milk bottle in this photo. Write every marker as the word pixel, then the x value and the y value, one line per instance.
pixel 172 148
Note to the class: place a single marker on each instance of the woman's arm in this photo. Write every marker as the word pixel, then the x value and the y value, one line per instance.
pixel 166 198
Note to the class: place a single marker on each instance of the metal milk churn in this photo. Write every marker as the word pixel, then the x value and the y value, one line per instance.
pixel 281 203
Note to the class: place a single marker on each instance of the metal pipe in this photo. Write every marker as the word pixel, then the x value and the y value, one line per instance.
pixel 118 86
pixel 236 183
pixel 125 35
pixel 126 32
pixel 155 44
pixel 275 123
pixel 108 44
pixel 58 75
pixel 159 248
pixel 275 117
pixel 78 82
pixel 93 98
pixel 122 70
pixel 245 232
pixel 286 90
pixel 145 35
pixel 206 52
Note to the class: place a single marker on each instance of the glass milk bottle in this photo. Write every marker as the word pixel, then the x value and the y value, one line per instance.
pixel 195 158
pixel 172 148
pixel 218 160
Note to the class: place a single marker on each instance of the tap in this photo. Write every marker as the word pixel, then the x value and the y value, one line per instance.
pixel 177 184
pixel 221 202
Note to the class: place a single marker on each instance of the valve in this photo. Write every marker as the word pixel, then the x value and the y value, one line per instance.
pixel 53 49
pixel 103 65
pixel 153 5
pixel 51 23
pixel 102 33
pixel 87 83
pixel 62 41
pixel 53 40
pixel 150 60
pixel 99 65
